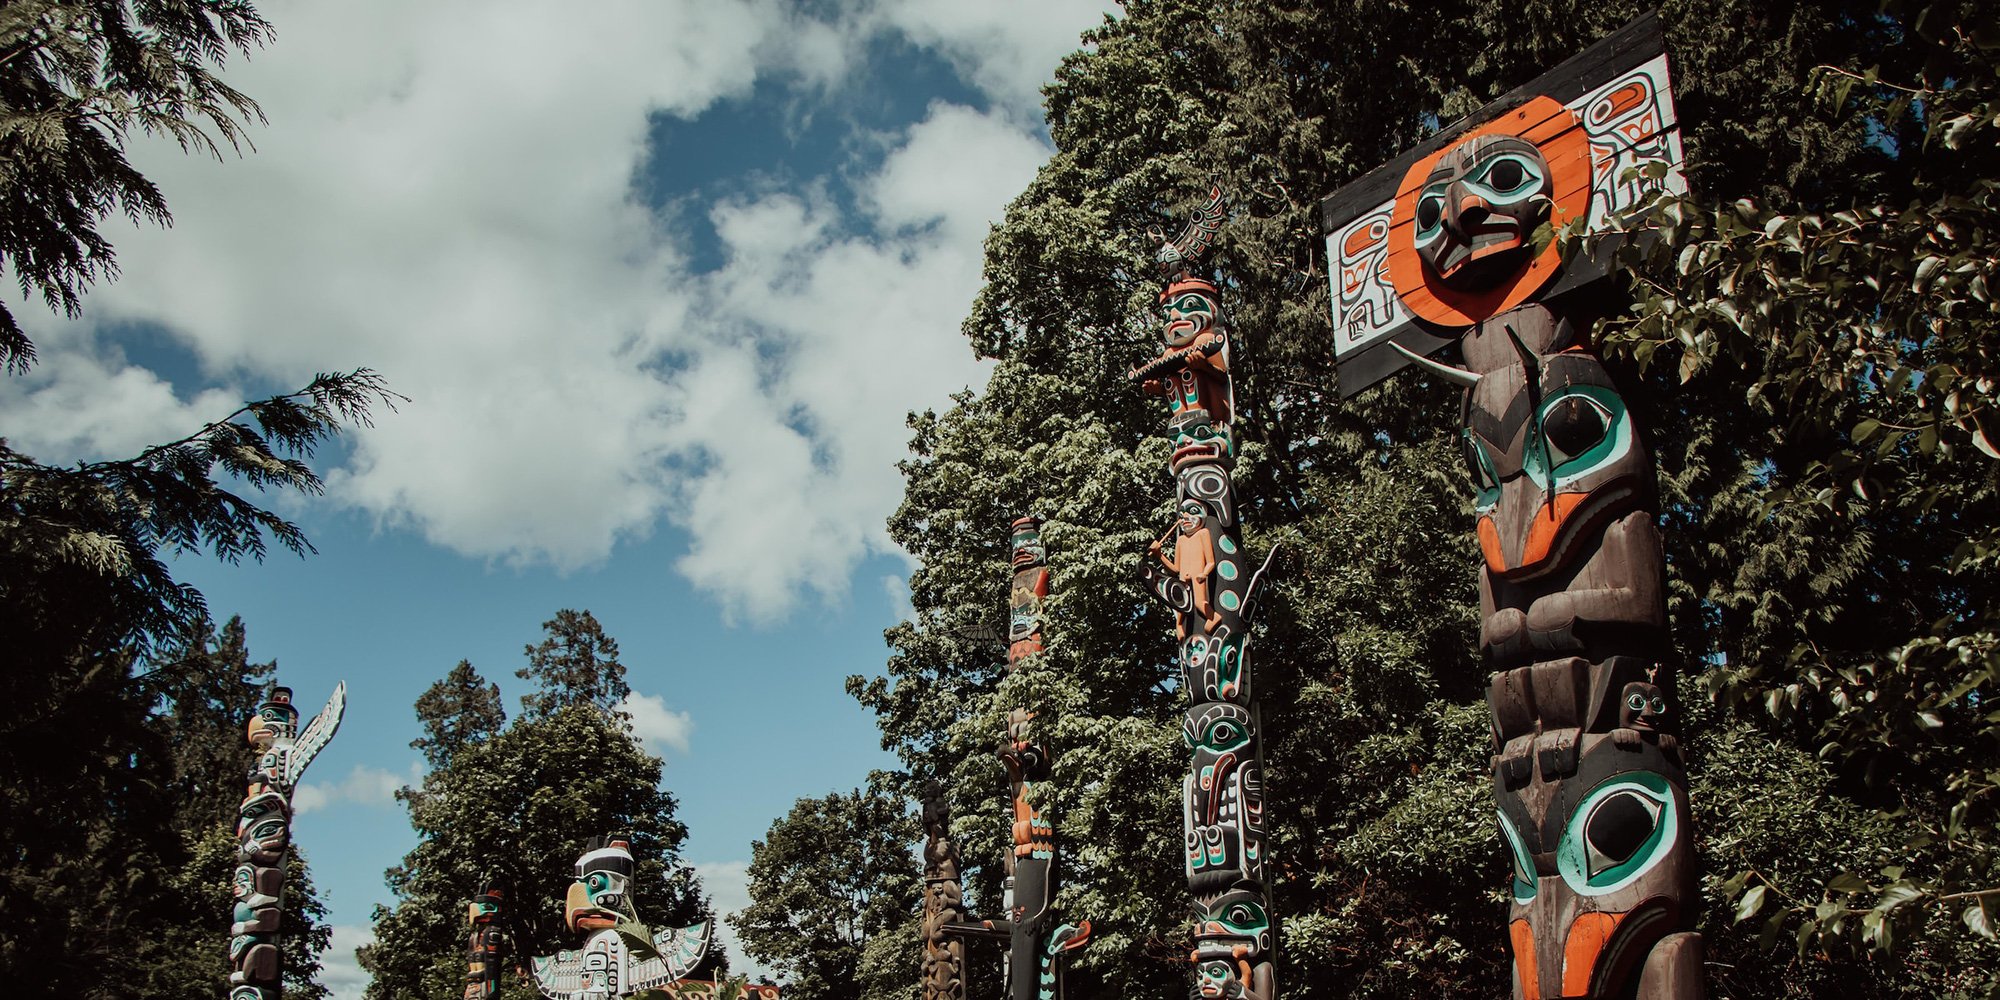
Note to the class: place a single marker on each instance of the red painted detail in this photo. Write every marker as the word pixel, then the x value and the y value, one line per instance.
pixel 1587 938
pixel 1523 937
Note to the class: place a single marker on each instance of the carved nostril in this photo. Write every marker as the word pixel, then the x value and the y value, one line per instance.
pixel 1472 210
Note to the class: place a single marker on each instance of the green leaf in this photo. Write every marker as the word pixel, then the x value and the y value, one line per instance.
pixel 1751 902
pixel 1978 919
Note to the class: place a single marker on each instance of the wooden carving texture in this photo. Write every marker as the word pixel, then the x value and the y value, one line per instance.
pixel 1588 774
pixel 486 949
pixel 1200 569
pixel 1449 242
pixel 944 904
pixel 1036 937
pixel 264 837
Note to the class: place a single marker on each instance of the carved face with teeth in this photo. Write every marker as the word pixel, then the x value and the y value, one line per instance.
pixel 1478 208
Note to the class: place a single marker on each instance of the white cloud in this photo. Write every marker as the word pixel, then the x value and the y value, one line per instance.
pixel 655 724
pixel 455 209
pixel 364 786
pixel 797 456
pixel 1007 49
pixel 81 404
pixel 339 972
pixel 728 885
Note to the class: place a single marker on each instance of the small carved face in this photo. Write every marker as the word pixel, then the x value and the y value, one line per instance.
pixel 1235 925
pixel 1191 515
pixel 1192 310
pixel 1643 706
pixel 1478 207
pixel 1027 545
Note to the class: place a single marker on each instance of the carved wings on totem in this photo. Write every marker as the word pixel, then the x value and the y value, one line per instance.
pixel 679 950
pixel 317 734
pixel 672 954
pixel 1196 237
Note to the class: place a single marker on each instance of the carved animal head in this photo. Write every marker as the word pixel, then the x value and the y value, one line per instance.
pixel 602 891
pixel 485 907
pixel 1552 448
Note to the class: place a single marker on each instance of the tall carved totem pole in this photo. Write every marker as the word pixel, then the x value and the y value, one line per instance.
pixel 944 904
pixel 264 837
pixel 1036 938
pixel 486 951
pixel 1200 569
pixel 1452 242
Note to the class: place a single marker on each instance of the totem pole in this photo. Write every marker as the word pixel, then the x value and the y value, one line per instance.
pixel 944 904
pixel 486 952
pixel 264 837
pixel 1453 242
pixel 1200 569
pixel 1036 938
pixel 620 956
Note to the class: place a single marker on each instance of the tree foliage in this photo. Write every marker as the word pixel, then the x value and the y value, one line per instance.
pixel 118 817
pixel 833 897
pixel 1854 337
pixel 516 802
pixel 576 665
pixel 77 79
pixel 1812 384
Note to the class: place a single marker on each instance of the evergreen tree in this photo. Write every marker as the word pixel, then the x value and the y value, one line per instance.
pixel 461 710
pixel 516 803
pixel 76 80
pixel 577 664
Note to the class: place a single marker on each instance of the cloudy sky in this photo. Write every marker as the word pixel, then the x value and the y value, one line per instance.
pixel 660 280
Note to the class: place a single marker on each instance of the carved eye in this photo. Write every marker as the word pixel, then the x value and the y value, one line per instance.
pixel 596 882
pixel 1507 178
pixel 1636 702
pixel 1584 428
pixel 1572 425
pixel 1618 833
pixel 1524 863
pixel 1659 706
pixel 1430 215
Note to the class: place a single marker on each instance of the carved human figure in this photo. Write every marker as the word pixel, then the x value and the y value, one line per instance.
pixel 486 950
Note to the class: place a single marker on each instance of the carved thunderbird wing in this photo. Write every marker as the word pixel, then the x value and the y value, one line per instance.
pixel 318 733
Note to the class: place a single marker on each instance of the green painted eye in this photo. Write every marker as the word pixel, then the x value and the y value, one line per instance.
pixel 1484 478
pixel 1583 429
pixel 1618 833
pixel 1524 863
pixel 1430 214
pixel 596 882
pixel 1637 702
pixel 1506 178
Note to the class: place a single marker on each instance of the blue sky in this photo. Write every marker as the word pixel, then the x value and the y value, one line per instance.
pixel 661 280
